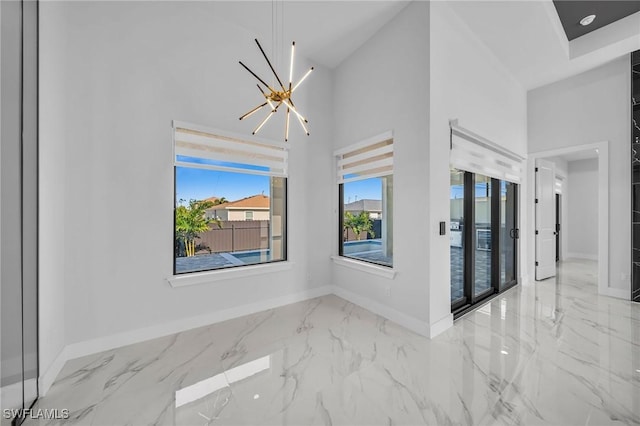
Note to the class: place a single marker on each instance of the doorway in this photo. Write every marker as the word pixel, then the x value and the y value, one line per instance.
pixel 483 238
pixel 600 151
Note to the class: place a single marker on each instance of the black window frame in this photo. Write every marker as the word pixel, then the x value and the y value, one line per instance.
pixel 285 230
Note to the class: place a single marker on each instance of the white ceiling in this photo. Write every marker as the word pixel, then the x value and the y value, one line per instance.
pixel 326 32
pixel 527 37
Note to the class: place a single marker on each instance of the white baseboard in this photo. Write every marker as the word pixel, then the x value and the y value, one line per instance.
pixel 413 324
pixel 88 347
pixel 586 256
pixel 440 326
pixel 616 292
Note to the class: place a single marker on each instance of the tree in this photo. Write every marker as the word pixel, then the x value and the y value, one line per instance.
pixel 220 200
pixel 191 220
pixel 358 223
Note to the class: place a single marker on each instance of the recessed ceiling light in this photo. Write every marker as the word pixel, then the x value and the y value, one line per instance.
pixel 587 20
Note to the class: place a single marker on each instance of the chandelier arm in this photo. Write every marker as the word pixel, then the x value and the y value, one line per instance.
pixel 295 111
pixel 270 66
pixel 273 111
pixel 293 48
pixel 262 123
pixel 302 79
pixel 302 124
pixel 265 96
pixel 256 109
pixel 286 128
pixel 254 74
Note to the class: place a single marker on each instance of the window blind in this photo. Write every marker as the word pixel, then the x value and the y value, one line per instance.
pixel 370 158
pixel 476 154
pixel 200 147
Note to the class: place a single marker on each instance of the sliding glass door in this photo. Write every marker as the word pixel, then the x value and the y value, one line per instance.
pixel 482 247
pixel 508 234
pixel 458 296
pixel 483 235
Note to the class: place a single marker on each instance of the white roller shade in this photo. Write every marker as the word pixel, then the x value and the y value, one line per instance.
pixel 200 147
pixel 370 158
pixel 476 154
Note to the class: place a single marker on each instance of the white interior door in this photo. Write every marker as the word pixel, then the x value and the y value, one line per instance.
pixel 545 219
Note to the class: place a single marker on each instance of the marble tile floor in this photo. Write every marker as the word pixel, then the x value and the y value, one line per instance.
pixel 553 352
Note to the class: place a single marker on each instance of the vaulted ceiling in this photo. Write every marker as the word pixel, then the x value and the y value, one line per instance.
pixel 529 39
pixel 325 31
pixel 527 36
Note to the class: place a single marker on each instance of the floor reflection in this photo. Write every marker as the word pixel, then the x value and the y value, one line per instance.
pixel 550 352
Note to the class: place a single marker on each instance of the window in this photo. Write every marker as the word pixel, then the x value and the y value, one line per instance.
pixel 230 200
pixel 365 186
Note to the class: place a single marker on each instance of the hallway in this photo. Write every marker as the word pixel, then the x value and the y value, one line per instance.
pixel 553 352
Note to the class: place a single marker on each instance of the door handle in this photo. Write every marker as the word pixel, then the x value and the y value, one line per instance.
pixel 512 233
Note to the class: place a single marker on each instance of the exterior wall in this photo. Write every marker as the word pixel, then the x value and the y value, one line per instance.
pixel 241 214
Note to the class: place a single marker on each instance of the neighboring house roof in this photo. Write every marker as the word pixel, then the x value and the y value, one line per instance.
pixel 364 205
pixel 212 199
pixel 255 202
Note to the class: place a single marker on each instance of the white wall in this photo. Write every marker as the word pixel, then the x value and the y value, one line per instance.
pixel 469 84
pixel 589 108
pixel 54 120
pixel 582 225
pixel 433 84
pixel 113 77
pixel 382 86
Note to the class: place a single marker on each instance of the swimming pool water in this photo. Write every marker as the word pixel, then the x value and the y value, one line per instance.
pixel 253 256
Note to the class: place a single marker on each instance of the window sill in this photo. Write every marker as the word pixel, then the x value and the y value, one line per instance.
pixel 195 278
pixel 381 271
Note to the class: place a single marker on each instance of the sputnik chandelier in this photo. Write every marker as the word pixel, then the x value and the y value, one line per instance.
pixel 276 97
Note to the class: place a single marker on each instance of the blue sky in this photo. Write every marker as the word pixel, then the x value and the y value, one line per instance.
pixel 360 189
pixel 199 184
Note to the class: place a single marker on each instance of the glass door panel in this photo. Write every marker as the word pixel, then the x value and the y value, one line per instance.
pixel 456 235
pixel 508 233
pixel 482 236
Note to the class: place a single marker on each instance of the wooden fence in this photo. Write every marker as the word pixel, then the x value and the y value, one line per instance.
pixel 235 236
